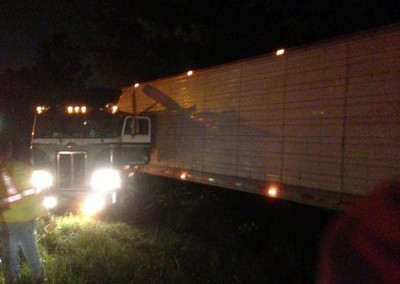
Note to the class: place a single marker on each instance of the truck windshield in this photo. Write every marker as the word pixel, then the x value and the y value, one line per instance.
pixel 78 126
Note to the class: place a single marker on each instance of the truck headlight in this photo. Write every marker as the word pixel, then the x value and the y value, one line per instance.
pixel 105 180
pixel 41 179
pixel 93 204
pixel 50 202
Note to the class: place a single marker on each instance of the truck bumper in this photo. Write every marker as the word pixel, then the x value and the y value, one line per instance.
pixel 85 202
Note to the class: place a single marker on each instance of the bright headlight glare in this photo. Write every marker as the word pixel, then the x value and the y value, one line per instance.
pixel 50 202
pixel 93 204
pixel 41 179
pixel 105 180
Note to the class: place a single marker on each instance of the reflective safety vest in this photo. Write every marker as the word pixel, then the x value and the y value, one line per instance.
pixel 11 194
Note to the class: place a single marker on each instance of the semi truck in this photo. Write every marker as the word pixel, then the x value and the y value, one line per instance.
pixel 89 150
pixel 316 124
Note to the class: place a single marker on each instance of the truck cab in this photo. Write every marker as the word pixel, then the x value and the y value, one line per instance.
pixel 90 153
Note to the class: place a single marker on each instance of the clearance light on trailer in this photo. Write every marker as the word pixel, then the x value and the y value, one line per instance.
pixel 280 52
pixel 190 73
pixel 272 191
pixel 183 175
pixel 136 85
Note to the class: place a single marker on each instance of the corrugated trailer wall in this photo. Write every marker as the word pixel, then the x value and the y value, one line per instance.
pixel 321 122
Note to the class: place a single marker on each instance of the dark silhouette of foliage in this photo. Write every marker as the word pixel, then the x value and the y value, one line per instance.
pixel 57 72
pixel 59 68
pixel 145 40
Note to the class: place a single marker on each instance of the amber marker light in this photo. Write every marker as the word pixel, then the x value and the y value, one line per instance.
pixel 272 191
pixel 280 52
pixel 39 109
pixel 183 175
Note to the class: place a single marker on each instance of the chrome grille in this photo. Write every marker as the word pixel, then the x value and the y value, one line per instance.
pixel 71 170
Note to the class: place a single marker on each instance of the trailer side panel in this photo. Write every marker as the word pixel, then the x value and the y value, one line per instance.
pixel 319 123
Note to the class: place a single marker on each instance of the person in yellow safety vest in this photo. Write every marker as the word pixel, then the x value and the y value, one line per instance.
pixel 20 207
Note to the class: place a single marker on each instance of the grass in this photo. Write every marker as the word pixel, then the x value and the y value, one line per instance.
pixel 174 232
pixel 83 250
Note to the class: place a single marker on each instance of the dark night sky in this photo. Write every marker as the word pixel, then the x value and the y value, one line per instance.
pixel 24 24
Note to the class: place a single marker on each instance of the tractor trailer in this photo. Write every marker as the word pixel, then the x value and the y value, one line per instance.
pixel 317 124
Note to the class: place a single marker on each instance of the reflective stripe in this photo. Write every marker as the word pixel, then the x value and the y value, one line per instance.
pixel 12 193
pixel 12 198
pixel 11 189
pixel 19 196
